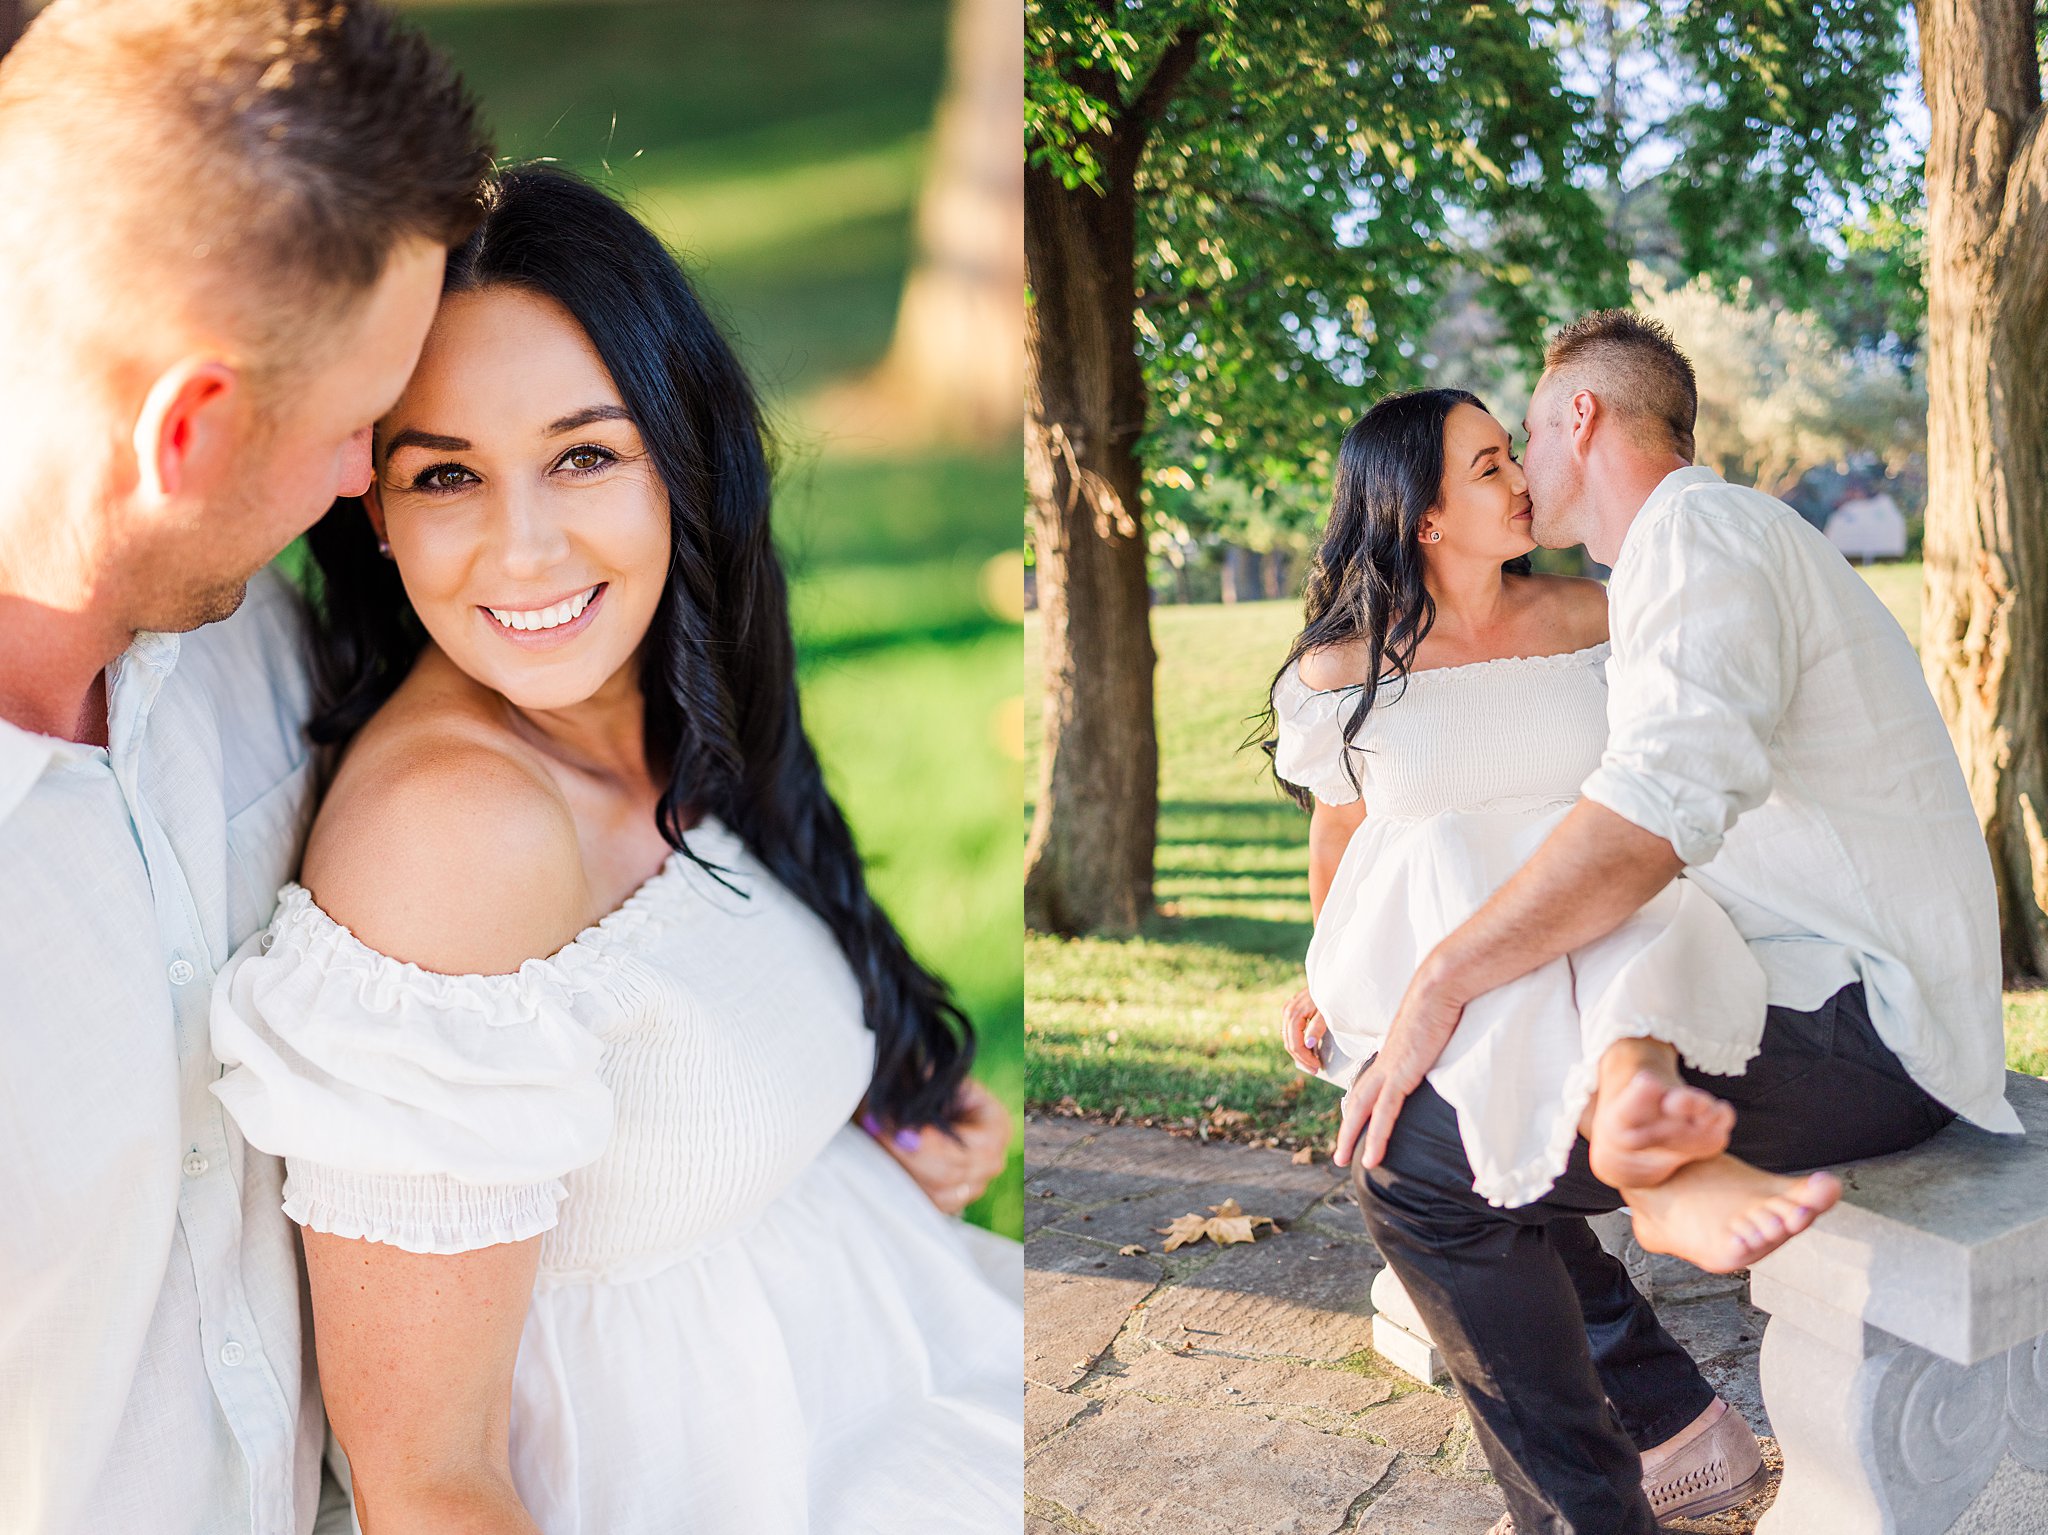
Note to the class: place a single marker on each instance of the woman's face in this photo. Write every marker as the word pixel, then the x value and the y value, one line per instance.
pixel 528 523
pixel 1482 509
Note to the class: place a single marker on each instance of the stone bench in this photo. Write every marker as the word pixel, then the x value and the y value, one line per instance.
pixel 1905 1368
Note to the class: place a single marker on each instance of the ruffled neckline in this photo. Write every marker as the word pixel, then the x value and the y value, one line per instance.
pixel 571 969
pixel 1559 660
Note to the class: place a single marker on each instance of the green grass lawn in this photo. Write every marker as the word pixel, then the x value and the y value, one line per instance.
pixel 1182 1021
pixel 777 145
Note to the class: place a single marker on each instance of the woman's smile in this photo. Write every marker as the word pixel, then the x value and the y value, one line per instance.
pixel 546 628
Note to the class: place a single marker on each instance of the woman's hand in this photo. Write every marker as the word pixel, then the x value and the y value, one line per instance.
pixel 953 1169
pixel 1301 1031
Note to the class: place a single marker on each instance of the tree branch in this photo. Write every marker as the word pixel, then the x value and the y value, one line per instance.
pixel 1163 82
pixel 1135 121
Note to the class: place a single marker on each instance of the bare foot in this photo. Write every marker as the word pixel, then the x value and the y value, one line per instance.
pixel 1723 1214
pixel 1652 1125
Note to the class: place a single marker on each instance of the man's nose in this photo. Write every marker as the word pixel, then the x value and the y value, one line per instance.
pixel 356 470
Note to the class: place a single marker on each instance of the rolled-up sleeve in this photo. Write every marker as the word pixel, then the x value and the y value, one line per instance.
pixel 1700 674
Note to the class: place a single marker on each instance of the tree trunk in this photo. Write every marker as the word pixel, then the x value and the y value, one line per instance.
pixel 1240 574
pixel 1984 614
pixel 1273 571
pixel 1088 865
pixel 956 361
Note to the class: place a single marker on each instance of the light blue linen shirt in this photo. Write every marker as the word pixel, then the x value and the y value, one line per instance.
pixel 155 1361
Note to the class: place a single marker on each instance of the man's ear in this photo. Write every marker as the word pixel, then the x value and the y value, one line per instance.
pixel 1585 412
pixel 188 428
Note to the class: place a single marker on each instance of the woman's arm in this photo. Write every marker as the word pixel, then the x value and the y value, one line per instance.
pixel 416 1353
pixel 1329 833
pixel 463 862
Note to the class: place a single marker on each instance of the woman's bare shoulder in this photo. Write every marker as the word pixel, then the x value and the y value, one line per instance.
pixel 1329 667
pixel 444 842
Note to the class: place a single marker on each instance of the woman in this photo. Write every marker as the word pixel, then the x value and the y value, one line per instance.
pixel 1486 713
pixel 563 1029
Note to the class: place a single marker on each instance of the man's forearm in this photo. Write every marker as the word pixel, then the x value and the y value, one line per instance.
pixel 1590 875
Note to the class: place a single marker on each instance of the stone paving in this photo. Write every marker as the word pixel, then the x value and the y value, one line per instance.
pixel 1233 1391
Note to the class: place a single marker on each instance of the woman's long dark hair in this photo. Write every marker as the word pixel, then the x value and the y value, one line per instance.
pixel 719 664
pixel 1367 577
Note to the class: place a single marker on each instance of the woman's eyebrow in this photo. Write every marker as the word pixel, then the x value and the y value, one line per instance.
pixel 413 437
pixel 1481 454
pixel 588 414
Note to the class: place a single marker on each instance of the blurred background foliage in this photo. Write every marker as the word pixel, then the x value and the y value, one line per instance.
pixel 781 147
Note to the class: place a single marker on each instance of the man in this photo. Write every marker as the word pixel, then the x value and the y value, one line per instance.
pixel 220 251
pixel 1771 735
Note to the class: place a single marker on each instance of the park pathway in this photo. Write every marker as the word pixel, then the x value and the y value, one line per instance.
pixel 1233 1391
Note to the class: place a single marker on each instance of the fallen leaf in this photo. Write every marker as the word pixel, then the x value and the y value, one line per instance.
pixel 1130 1251
pixel 1184 1229
pixel 1226 1223
pixel 1304 1157
pixel 1225 1119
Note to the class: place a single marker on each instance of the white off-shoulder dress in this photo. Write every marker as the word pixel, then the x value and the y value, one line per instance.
pixel 1464 771
pixel 748 1319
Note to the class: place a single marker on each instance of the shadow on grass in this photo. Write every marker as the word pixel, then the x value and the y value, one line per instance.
pixel 1228 823
pixel 1267 936
pixel 964 631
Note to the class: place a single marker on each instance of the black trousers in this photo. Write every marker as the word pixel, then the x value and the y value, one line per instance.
pixel 1563 1366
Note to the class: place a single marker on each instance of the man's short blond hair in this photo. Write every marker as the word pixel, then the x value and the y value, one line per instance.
pixel 1631 364
pixel 251 161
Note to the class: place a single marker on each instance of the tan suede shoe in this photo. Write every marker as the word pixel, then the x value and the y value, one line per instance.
pixel 1711 1464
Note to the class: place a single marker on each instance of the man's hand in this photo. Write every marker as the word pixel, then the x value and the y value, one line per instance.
pixel 1301 1031
pixel 953 1170
pixel 1427 1019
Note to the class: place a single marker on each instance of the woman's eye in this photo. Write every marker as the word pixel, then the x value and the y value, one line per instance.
pixel 442 477
pixel 587 459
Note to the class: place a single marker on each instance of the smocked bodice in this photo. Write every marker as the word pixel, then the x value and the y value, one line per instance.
pixel 1512 734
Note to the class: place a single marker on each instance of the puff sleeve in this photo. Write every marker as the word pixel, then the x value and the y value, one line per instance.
pixel 437 1113
pixel 1310 749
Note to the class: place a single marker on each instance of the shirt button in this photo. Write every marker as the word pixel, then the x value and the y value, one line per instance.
pixel 181 971
pixel 231 1354
pixel 195 1164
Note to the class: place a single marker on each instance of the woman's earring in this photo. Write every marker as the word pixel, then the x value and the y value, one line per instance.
pixel 1435 535
pixel 384 547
